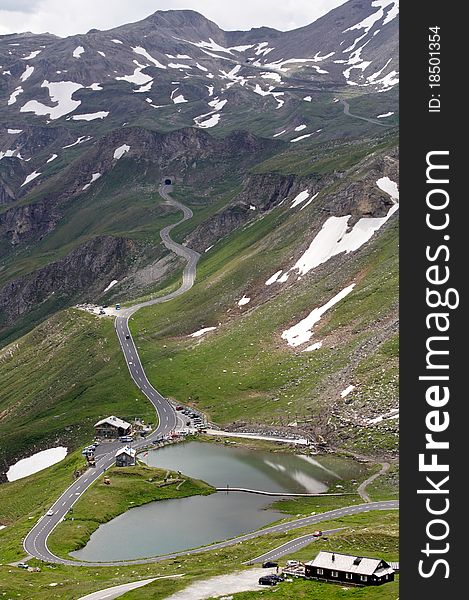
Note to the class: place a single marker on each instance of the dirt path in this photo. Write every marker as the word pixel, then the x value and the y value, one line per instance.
pixel 362 487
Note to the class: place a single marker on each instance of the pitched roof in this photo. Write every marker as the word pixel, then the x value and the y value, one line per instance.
pixel 126 450
pixel 350 564
pixel 114 421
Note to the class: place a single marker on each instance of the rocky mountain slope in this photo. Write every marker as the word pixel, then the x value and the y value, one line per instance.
pixel 180 59
pixel 295 204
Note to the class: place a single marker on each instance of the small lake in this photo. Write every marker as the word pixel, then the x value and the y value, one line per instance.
pixel 172 525
pixel 233 466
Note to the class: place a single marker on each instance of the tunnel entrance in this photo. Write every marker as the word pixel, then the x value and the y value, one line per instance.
pixel 168 181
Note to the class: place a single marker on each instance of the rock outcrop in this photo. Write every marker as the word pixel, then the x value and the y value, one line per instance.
pixel 80 275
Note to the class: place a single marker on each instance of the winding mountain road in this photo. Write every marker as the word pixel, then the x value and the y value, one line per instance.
pixel 35 543
pixel 347 112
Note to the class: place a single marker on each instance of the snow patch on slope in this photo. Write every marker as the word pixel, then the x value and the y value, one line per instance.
pixel 78 51
pixel 302 331
pixel 30 178
pixel 35 463
pixel 201 332
pixel 61 93
pixel 119 152
pixel 14 96
pixel 143 52
pixel 94 178
pixel 27 73
pixel 137 77
pixel 91 116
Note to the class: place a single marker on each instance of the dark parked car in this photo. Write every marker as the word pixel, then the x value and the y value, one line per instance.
pixel 268 564
pixel 269 580
pixel 266 581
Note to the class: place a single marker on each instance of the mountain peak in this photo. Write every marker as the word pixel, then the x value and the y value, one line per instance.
pixel 178 18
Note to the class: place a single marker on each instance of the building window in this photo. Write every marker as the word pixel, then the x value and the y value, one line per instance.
pixel 334 573
pixel 320 571
pixel 348 576
pixel 363 578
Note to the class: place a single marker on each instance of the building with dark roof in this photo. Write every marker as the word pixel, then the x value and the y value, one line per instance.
pixel 126 457
pixel 345 568
pixel 112 427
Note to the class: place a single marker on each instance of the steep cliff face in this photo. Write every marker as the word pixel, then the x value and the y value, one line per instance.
pixel 29 222
pixel 260 193
pixel 12 174
pixel 79 276
pixel 357 196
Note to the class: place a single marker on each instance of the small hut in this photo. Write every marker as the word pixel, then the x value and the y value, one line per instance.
pixel 126 457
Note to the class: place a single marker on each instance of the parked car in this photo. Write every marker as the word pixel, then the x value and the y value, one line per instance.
pixel 292 563
pixel 267 580
pixel 317 533
pixel 23 565
pixel 126 438
pixel 179 407
pixel 268 564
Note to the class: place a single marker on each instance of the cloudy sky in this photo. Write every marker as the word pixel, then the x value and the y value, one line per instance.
pixel 67 17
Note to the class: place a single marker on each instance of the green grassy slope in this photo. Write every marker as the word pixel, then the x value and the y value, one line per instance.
pixel 245 371
pixel 58 379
